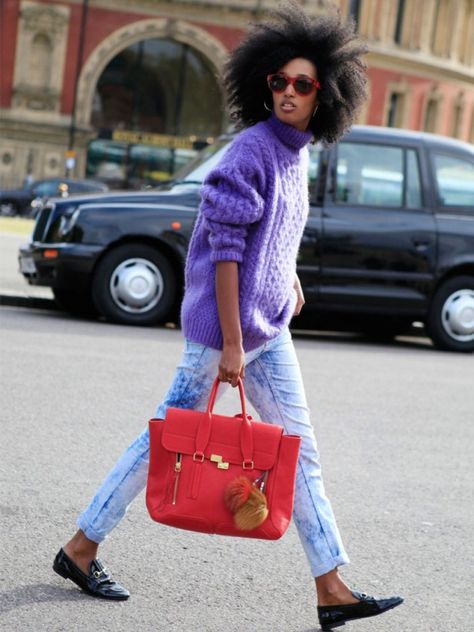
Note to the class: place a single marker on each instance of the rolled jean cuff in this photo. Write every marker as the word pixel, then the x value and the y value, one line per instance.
pixel 89 532
pixel 324 567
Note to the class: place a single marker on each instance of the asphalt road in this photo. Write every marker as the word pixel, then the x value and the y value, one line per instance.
pixel 395 430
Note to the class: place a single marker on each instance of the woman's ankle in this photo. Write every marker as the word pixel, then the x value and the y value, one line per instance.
pixel 80 548
pixel 332 590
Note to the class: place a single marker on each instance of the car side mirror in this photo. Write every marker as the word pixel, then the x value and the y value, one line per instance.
pixel 63 189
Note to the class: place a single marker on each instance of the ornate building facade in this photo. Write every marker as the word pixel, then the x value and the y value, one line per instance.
pixel 140 77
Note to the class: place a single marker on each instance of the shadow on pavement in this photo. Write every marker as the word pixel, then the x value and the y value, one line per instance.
pixel 36 593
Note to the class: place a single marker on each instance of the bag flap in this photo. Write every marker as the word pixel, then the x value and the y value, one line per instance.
pixel 181 426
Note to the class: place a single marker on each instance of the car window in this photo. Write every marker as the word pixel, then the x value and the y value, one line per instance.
pixel 74 187
pixel 81 187
pixel 45 189
pixel 413 188
pixel 197 169
pixel 313 172
pixel 372 175
pixel 455 180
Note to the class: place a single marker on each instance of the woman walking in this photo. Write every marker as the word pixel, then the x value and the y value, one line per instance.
pixel 292 80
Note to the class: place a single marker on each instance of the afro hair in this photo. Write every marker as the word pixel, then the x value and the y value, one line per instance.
pixel 328 42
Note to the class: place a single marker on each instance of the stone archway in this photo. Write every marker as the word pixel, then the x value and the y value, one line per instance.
pixel 210 47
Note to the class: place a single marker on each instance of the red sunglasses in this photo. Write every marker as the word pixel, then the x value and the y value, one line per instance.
pixel 302 85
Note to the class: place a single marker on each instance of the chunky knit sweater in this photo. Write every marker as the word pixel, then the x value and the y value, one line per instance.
pixel 253 211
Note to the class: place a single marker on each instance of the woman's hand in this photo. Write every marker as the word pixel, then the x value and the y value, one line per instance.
pixel 231 365
pixel 299 296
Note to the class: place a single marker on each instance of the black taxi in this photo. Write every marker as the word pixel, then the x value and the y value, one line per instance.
pixel 389 240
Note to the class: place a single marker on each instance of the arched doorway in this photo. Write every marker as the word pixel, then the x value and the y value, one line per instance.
pixel 155 103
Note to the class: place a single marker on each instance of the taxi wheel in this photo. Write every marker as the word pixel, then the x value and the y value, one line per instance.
pixel 134 284
pixel 450 322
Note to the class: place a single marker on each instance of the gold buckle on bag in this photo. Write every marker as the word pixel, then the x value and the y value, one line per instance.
pixel 221 465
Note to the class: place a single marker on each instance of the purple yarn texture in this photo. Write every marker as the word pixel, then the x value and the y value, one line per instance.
pixel 254 208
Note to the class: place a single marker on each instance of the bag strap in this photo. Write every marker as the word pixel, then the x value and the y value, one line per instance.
pixel 204 431
pixel 213 395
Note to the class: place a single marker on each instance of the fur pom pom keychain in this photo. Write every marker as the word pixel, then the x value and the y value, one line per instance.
pixel 247 502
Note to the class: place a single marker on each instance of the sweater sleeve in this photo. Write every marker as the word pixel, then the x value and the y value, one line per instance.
pixel 232 200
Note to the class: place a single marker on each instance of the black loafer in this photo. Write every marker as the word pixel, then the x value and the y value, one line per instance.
pixel 334 616
pixel 97 583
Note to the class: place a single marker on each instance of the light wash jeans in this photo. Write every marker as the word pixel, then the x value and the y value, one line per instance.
pixel 274 386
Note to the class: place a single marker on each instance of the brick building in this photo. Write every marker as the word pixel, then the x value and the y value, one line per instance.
pixel 133 80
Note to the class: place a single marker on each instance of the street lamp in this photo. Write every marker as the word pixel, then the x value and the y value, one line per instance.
pixel 71 154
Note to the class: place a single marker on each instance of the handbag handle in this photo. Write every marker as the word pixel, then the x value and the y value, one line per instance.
pixel 213 395
pixel 204 431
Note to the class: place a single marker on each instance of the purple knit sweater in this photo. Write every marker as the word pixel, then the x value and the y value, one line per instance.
pixel 253 211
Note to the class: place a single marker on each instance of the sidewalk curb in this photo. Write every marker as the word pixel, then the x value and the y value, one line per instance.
pixel 28 301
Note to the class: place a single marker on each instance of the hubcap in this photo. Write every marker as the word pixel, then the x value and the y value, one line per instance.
pixel 136 285
pixel 457 315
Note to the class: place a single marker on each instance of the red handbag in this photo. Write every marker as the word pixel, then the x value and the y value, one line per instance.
pixel 226 475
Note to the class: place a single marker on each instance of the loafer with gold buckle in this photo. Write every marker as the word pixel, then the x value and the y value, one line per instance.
pixel 98 583
pixel 335 616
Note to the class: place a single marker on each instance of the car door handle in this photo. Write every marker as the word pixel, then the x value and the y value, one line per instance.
pixel 310 238
pixel 421 244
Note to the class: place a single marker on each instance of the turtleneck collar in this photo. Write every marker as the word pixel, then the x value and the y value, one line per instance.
pixel 288 134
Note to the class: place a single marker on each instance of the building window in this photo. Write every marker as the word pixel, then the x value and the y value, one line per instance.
pixel 410 24
pixel 41 61
pixel 466 39
pixel 458 115
pixel 149 93
pixel 435 31
pixel 431 115
pixel 354 10
pixel 443 28
pixel 154 86
pixel 399 21
pixel 396 107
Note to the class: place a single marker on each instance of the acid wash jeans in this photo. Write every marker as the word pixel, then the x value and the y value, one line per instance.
pixel 274 387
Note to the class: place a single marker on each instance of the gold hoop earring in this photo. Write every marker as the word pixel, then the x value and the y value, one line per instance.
pixel 315 110
pixel 266 106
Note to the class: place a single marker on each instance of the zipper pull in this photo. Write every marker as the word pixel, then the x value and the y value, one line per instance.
pixel 261 481
pixel 177 469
